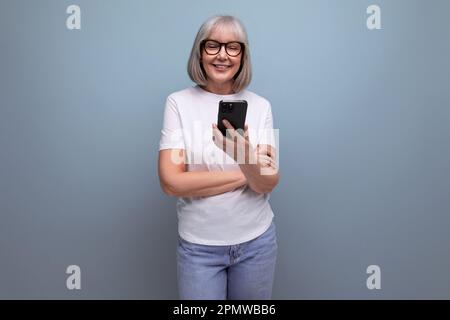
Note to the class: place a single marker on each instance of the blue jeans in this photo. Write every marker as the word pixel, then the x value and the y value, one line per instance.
pixel 237 272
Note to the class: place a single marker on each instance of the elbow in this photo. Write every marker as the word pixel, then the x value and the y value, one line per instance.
pixel 168 189
pixel 267 186
pixel 262 189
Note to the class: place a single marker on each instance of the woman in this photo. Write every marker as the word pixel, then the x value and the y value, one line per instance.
pixel 227 243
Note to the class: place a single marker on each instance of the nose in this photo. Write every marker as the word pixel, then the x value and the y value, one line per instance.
pixel 222 52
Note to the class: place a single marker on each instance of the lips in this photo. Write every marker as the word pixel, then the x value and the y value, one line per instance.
pixel 219 66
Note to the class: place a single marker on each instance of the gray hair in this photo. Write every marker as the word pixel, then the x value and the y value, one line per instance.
pixel 195 69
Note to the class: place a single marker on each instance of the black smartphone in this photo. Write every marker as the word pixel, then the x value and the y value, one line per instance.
pixel 234 111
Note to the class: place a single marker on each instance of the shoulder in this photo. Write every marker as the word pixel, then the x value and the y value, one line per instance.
pixel 180 95
pixel 257 100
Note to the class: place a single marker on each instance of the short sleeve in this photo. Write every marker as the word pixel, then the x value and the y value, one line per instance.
pixel 172 130
pixel 267 134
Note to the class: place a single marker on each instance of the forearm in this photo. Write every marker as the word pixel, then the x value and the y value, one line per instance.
pixel 260 183
pixel 261 172
pixel 205 183
pixel 212 191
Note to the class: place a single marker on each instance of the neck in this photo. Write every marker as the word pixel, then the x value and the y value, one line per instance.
pixel 220 88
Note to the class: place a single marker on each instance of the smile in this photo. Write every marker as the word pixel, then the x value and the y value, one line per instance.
pixel 221 66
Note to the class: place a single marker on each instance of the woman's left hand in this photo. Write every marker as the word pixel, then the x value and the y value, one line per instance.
pixel 237 146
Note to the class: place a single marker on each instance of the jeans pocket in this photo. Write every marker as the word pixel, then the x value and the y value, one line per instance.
pixel 188 247
pixel 269 234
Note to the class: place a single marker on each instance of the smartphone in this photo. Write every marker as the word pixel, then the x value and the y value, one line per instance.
pixel 234 111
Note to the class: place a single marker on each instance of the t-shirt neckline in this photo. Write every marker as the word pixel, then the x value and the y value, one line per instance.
pixel 217 96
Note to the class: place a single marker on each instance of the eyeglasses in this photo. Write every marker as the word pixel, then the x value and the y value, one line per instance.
pixel 212 47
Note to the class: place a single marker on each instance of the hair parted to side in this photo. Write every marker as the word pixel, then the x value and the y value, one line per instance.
pixel 195 69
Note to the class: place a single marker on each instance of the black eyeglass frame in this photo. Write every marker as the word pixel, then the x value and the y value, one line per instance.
pixel 202 45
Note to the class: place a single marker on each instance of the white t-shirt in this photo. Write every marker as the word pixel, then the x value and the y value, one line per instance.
pixel 232 217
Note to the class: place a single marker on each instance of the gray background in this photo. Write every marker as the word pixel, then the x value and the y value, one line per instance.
pixel 364 153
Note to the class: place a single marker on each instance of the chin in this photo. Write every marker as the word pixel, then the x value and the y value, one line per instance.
pixel 223 77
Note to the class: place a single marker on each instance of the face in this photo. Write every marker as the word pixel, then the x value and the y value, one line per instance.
pixel 221 68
